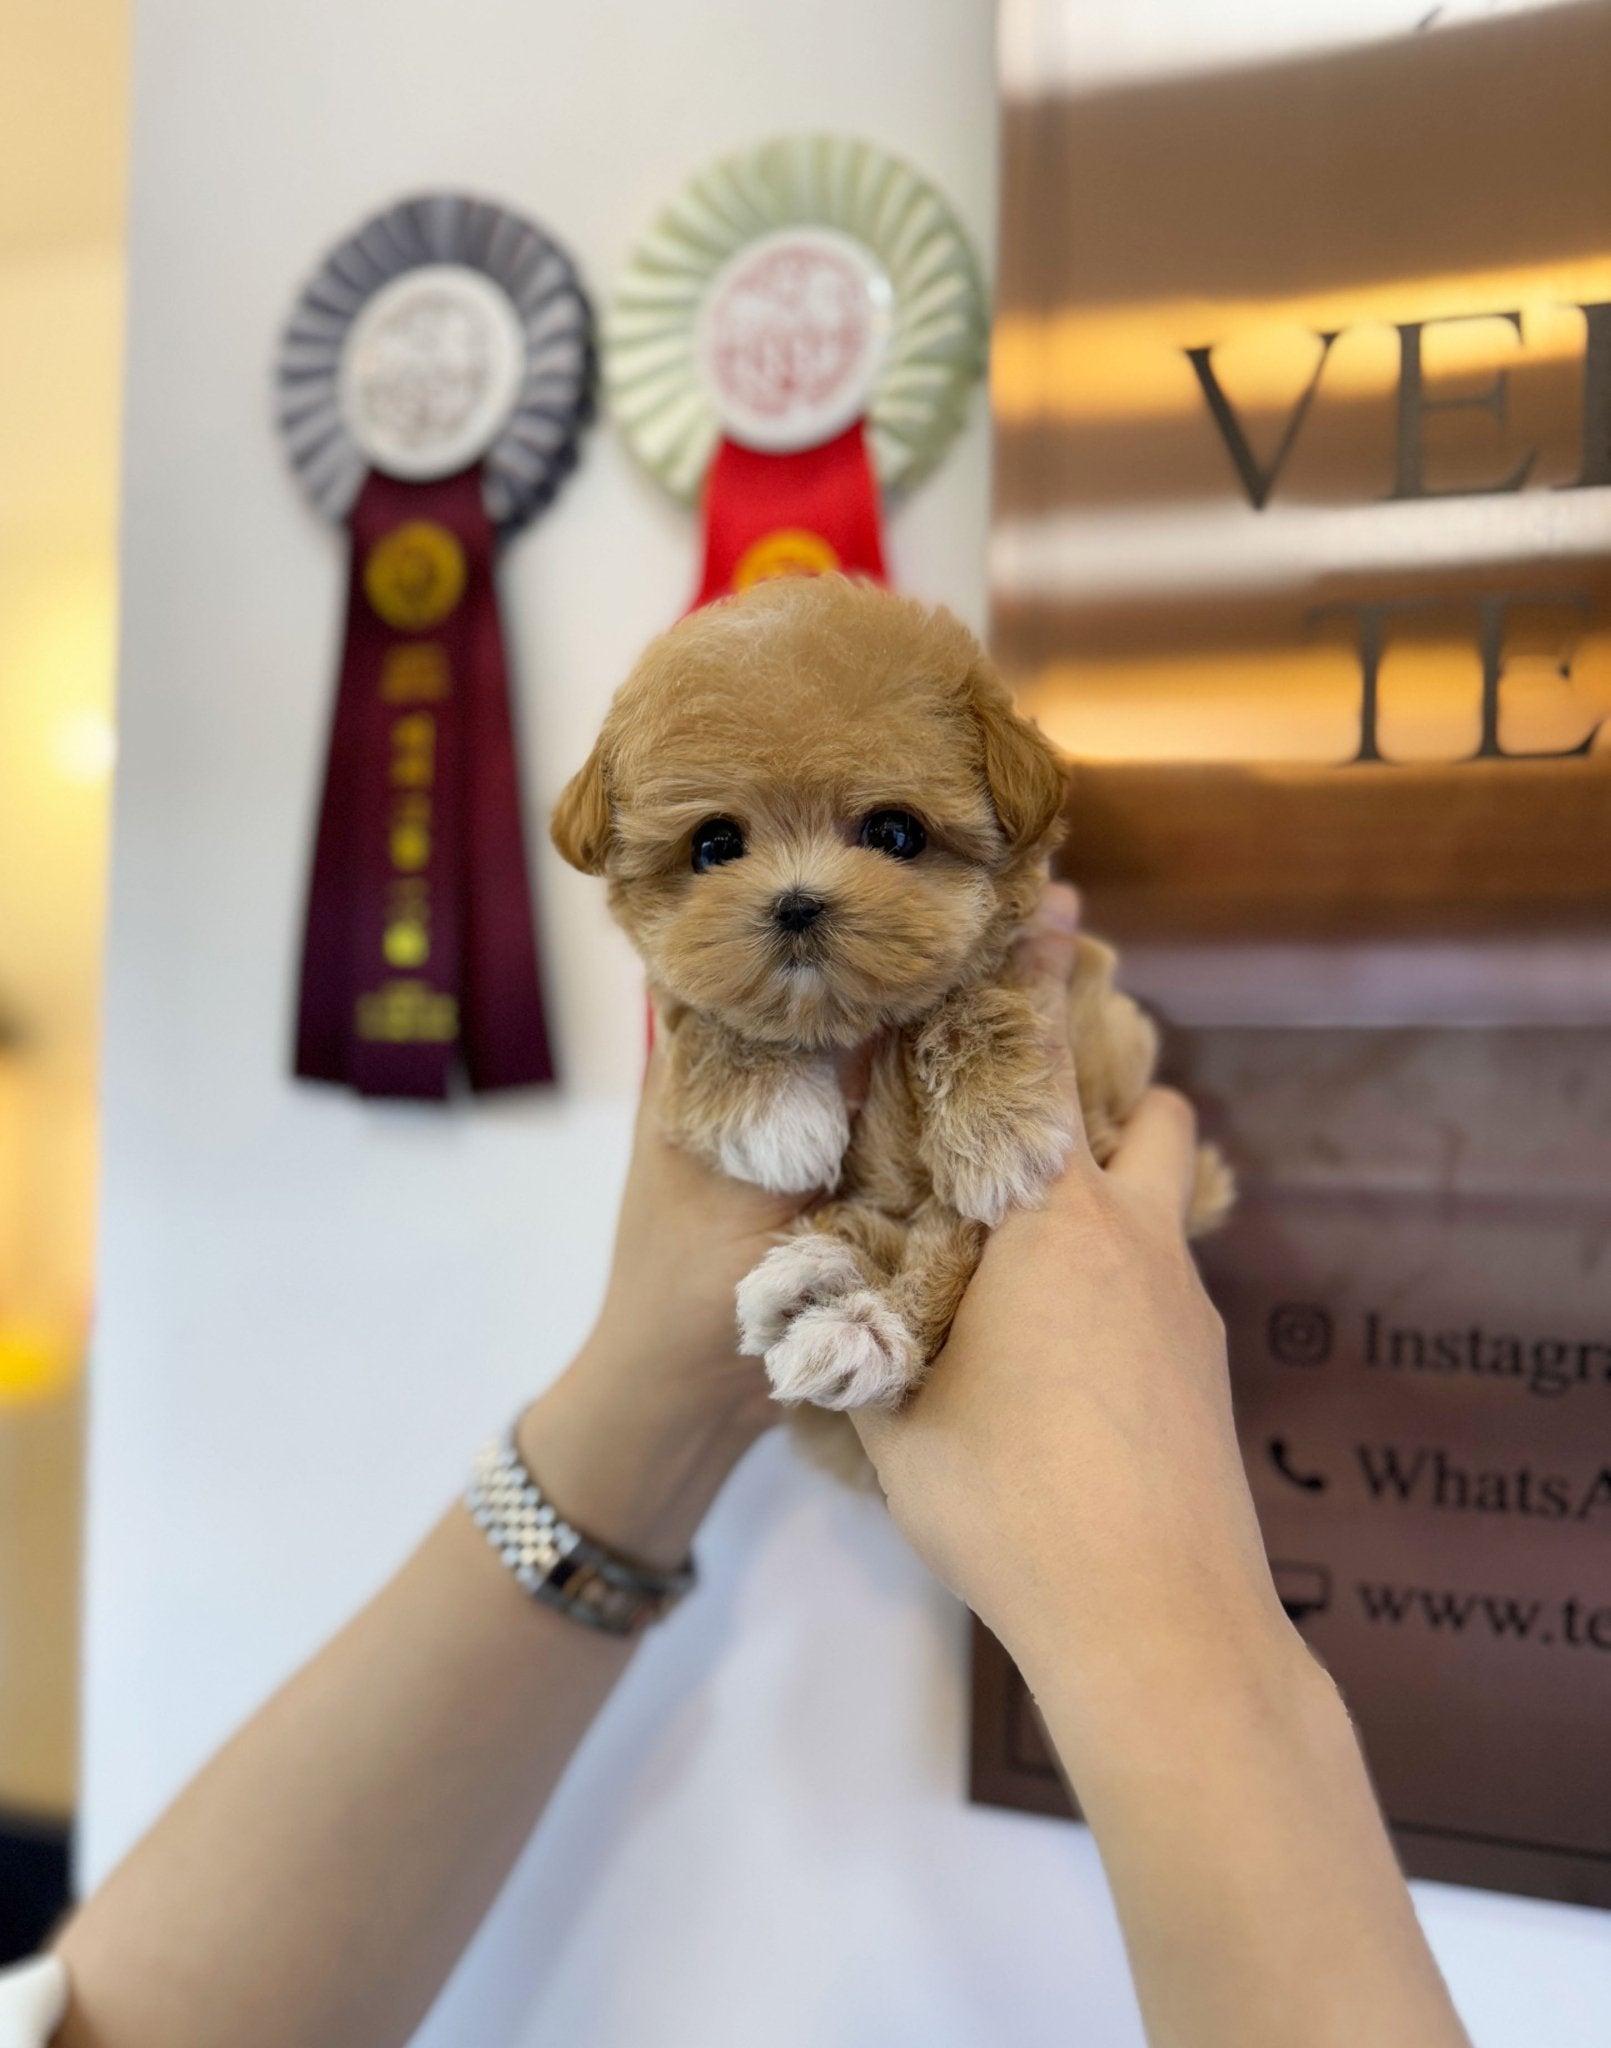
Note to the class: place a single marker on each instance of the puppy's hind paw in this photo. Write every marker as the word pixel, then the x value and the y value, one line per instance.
pixel 808 1268
pixel 855 1352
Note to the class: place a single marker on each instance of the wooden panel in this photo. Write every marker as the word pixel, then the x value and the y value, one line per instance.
pixel 1214 850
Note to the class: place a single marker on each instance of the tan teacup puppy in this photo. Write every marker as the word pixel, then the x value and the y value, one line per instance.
pixel 822 823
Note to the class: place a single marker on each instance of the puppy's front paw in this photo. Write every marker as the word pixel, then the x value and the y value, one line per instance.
pixel 806 1269
pixel 794 1146
pixel 1009 1167
pixel 855 1352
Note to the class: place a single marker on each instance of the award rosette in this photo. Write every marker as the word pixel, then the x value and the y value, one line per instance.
pixel 801 326
pixel 433 382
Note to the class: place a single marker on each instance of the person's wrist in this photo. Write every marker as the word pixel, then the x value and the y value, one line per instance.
pixel 1137 1706
pixel 631 1457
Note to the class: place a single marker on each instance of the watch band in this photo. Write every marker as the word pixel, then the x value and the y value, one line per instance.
pixel 554 1562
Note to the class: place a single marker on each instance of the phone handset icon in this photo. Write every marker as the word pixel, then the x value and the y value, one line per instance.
pixel 1309 1482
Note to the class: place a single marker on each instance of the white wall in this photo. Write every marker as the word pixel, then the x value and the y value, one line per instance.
pixel 312 1310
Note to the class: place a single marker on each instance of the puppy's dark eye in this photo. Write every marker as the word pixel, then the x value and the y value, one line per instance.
pixel 718 839
pixel 896 833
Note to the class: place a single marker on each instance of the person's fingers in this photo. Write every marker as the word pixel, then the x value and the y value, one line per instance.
pixel 1157 1153
pixel 1045 951
pixel 1044 959
pixel 654 1078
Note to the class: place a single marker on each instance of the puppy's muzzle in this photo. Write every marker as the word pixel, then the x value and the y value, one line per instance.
pixel 796 911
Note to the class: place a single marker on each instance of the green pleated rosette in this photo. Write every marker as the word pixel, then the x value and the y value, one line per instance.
pixel 939 333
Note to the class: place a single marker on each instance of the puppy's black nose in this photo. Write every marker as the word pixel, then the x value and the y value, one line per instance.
pixel 795 911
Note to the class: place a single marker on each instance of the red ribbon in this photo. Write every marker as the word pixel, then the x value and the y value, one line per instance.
pixel 806 513
pixel 420 952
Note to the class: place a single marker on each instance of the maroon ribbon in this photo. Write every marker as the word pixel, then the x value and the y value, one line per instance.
pixel 420 952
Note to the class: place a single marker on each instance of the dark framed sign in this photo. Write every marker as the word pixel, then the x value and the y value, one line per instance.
pixel 1417 1291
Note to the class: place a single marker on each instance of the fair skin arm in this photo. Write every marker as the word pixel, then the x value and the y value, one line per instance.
pixel 1080 1487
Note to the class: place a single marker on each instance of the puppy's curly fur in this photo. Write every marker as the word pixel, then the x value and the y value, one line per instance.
pixel 734 782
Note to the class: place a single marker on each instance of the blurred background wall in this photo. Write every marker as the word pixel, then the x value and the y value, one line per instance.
pixel 312 1309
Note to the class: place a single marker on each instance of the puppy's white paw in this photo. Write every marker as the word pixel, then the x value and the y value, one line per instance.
pixel 852 1353
pixel 805 1269
pixel 1012 1173
pixel 795 1146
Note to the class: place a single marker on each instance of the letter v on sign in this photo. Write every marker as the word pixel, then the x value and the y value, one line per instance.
pixel 1258 483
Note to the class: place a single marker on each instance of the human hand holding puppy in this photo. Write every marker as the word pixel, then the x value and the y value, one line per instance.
pixel 639 1432
pixel 1070 1465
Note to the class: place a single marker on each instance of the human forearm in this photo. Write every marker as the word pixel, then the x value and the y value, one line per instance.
pixel 315 1882
pixel 1258 1892
pixel 318 1880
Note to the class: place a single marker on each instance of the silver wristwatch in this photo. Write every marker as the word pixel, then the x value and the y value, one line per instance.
pixel 556 1563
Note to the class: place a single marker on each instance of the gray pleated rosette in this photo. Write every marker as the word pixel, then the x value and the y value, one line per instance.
pixel 491 358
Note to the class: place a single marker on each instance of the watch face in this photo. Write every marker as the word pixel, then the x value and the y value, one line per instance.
pixel 791 337
pixel 431 371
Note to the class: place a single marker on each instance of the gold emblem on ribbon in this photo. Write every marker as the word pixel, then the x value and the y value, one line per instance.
pixel 403 1012
pixel 414 575
pixel 790 551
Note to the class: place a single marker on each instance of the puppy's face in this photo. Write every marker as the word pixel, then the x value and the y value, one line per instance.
pixel 816 810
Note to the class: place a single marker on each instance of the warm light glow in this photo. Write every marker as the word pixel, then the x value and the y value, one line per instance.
pixel 1128 362
pixel 1301 703
pixel 1108 551
pixel 83 746
pixel 35 1365
pixel 58 594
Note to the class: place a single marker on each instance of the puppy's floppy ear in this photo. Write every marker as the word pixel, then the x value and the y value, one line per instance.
pixel 580 826
pixel 1027 778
